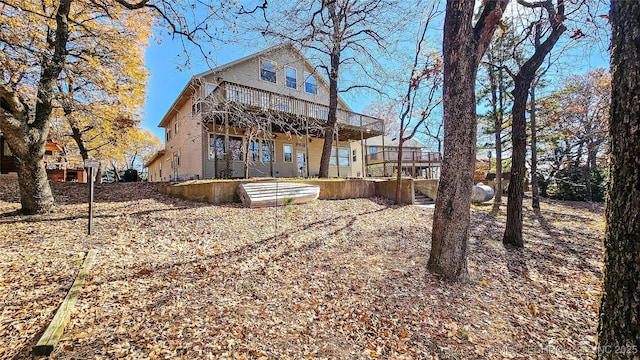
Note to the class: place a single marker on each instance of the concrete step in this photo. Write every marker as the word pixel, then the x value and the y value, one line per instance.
pixel 421 199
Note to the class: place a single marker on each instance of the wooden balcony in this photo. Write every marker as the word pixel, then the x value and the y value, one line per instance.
pixel 391 156
pixel 350 125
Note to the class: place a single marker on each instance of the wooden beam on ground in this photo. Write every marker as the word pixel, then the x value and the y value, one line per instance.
pixel 52 335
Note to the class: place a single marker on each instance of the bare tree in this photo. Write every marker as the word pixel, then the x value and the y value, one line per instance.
pixel 417 106
pixel 548 26
pixel 463 46
pixel 344 34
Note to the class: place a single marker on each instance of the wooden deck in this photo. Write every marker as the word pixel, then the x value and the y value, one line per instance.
pixel 261 194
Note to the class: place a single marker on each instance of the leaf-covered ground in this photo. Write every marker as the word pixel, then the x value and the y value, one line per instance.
pixel 175 279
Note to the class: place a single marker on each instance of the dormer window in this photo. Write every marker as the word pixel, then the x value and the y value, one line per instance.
pixel 268 70
pixel 310 83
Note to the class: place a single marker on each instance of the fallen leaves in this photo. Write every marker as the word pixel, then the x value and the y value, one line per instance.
pixel 334 279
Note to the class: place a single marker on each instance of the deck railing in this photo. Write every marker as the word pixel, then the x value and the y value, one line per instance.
pixel 408 155
pixel 267 100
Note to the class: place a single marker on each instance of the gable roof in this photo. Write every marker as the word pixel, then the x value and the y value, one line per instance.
pixel 193 83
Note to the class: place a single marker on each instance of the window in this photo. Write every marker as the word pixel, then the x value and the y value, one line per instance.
pixel 168 135
pixel 195 107
pixel 208 89
pixel 287 153
pixel 343 156
pixel 175 127
pixel 176 159
pixel 217 150
pixel 235 147
pixel 216 146
pixel 267 150
pixel 310 83
pixel 354 158
pixel 292 77
pixel 268 70
pixel 254 150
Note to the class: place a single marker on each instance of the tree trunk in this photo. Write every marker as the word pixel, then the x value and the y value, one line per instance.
pixel 399 175
pixel 35 192
pixel 463 48
pixel 535 196
pixel 513 230
pixel 522 83
pixel 332 116
pixel 497 128
pixel 450 234
pixel 619 320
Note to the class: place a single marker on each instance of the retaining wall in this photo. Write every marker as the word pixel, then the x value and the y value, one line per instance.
pixel 224 191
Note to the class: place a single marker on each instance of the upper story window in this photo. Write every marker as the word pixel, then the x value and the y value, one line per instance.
pixel 310 83
pixel 208 89
pixel 268 70
pixel 292 77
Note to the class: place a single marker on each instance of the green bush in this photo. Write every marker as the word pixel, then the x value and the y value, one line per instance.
pixel 570 184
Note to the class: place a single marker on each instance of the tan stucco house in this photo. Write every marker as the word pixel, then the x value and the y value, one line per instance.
pixel 261 115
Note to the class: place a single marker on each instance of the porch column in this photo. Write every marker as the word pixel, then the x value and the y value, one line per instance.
pixel 384 150
pixel 362 149
pixel 306 147
pixel 337 153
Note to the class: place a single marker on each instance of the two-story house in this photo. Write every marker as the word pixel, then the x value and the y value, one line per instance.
pixel 261 115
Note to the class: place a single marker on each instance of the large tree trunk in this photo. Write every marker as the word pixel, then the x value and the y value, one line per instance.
pixel 619 323
pixel 35 192
pixel 513 230
pixel 463 48
pixel 451 218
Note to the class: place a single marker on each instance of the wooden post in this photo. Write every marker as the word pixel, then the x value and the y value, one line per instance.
pixel 306 148
pixel 413 155
pixel 384 161
pixel 272 143
pixel 362 149
pixel 227 156
pixel 337 153
pixel 90 200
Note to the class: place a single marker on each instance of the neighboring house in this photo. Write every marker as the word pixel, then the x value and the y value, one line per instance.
pixel 59 165
pixel 382 158
pixel 261 115
pixel 7 161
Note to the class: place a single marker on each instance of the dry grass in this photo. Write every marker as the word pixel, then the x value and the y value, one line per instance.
pixel 329 279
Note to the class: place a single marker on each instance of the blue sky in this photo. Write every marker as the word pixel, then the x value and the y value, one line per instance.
pixel 168 77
